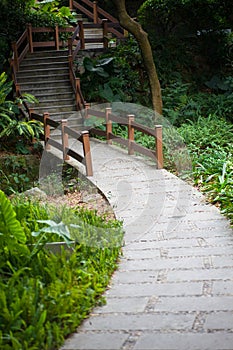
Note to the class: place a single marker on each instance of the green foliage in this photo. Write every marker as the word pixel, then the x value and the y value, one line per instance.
pixel 49 13
pixel 14 125
pixel 45 296
pixel 210 142
pixel 189 37
pixel 181 104
pixel 18 173
pixel 115 76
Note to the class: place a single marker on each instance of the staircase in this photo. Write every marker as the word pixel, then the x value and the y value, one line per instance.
pixel 45 74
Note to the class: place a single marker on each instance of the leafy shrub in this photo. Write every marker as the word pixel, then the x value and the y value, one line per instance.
pixel 182 105
pixel 115 76
pixel 188 37
pixel 45 296
pixel 210 142
pixel 14 124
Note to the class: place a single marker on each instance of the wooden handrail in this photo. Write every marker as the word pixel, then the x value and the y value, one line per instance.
pixel 130 143
pixel 67 152
pixel 97 14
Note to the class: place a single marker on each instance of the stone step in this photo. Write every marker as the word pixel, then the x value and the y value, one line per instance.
pixel 43 102
pixel 51 95
pixel 47 53
pixel 72 116
pixel 43 64
pixel 45 90
pixel 51 80
pixel 43 74
pixel 55 85
pixel 55 109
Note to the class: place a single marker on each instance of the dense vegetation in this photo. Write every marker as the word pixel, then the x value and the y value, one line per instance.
pixel 44 296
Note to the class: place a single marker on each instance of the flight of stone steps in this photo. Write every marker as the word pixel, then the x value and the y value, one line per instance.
pixel 91 33
pixel 45 74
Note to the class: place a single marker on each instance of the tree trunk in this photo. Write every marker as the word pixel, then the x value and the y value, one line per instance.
pixel 141 36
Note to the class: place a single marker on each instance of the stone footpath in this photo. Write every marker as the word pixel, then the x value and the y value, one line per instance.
pixel 174 285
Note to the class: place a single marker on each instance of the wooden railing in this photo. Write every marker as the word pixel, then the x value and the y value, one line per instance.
pixel 97 14
pixel 63 146
pixel 108 118
pixel 27 43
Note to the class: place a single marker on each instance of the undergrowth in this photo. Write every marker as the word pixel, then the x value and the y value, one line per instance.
pixel 44 296
pixel 210 143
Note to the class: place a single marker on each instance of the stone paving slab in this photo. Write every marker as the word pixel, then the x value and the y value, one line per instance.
pixel 174 285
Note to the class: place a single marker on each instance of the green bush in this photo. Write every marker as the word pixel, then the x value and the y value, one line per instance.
pixel 115 76
pixel 181 104
pixel 210 142
pixel 45 296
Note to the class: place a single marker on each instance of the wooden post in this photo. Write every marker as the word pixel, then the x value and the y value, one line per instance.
pixel 78 98
pixel 87 153
pixel 81 35
pixel 87 107
pixel 130 134
pixel 108 112
pixel 105 33
pixel 95 12
pixel 46 131
pixel 17 89
pixel 30 40
pixel 30 111
pixel 159 146
pixel 56 34
pixel 70 49
pixel 16 57
pixel 70 60
pixel 71 4
pixel 65 140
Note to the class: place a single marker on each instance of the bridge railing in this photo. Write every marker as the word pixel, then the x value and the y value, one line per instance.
pixel 28 42
pixel 63 146
pixel 132 126
pixel 96 14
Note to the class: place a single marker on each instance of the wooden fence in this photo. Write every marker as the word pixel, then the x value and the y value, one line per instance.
pixel 129 122
pixel 96 14
pixel 76 41
pixel 63 146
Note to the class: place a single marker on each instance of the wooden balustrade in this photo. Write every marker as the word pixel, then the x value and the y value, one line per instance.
pixel 97 14
pixel 108 118
pixel 63 146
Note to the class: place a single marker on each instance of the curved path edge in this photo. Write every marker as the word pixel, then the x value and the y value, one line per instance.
pixel 174 285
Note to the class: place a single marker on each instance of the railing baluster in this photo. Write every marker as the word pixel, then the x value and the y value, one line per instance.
pixel 87 107
pixel 105 33
pixel 30 40
pixel 95 12
pixel 108 112
pixel 46 131
pixel 159 146
pixel 81 35
pixel 56 37
pixel 130 134
pixel 87 153
pixel 65 139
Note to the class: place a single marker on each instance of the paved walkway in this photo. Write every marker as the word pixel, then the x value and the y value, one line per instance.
pixel 174 285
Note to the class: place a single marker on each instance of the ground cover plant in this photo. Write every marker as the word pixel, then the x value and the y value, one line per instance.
pixel 210 143
pixel 44 296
